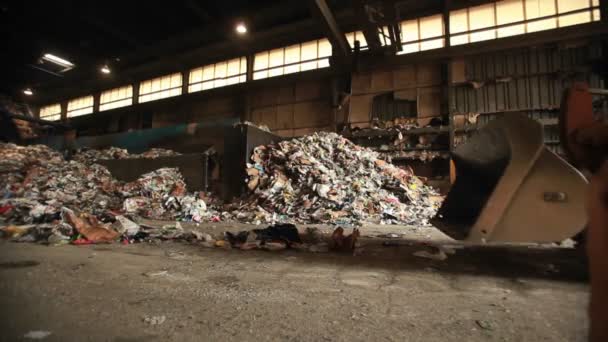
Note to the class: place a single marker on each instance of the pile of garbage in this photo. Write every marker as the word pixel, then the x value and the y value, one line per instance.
pixel 422 155
pixel 325 178
pixel 88 156
pixel 37 182
pixel 39 187
pixel 162 195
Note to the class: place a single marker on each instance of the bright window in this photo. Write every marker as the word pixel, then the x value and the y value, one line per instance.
pixel 295 58
pixel 358 35
pixel 51 112
pixel 417 34
pixel 384 36
pixel 431 27
pixel 503 13
pixel 80 106
pixel 507 12
pixel 160 88
pixel 459 22
pixel 218 75
pixel 116 98
pixel 482 17
pixel 539 9
pixel 564 6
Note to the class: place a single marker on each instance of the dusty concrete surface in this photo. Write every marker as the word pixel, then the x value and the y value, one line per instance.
pixel 105 293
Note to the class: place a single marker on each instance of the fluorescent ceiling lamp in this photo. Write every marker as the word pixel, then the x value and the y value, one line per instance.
pixel 241 28
pixel 57 60
pixel 28 92
pixel 105 69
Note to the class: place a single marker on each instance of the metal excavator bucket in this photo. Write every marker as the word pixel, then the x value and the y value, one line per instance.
pixel 510 188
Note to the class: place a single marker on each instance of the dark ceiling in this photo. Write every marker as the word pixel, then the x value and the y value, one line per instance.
pixel 127 34
pixel 122 33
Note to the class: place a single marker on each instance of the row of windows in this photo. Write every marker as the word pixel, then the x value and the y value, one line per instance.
pixel 526 16
pixel 291 59
pixel 116 98
pixel 296 58
pixel 51 112
pixel 491 21
pixel 160 87
pixel 473 24
pixel 218 75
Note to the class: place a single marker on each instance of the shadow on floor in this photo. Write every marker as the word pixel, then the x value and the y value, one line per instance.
pixel 506 261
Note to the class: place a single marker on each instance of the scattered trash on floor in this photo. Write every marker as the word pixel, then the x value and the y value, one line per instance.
pixel 485 325
pixel 390 236
pixel 37 334
pixel 89 228
pixel 156 274
pixel 275 237
pixel 344 243
pixel 155 320
pixel 433 253
pixel 125 226
pixel 15 232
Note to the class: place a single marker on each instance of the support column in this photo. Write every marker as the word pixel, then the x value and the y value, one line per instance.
pixel 446 21
pixel 185 81
pixel 135 86
pixel 249 76
pixel 64 110
pixel 96 102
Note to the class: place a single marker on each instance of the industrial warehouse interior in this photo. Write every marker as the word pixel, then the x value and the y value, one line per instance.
pixel 312 170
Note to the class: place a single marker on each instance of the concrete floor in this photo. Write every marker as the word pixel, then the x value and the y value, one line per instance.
pixel 106 292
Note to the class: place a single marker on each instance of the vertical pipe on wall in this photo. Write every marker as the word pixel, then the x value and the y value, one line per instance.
pixel 447 74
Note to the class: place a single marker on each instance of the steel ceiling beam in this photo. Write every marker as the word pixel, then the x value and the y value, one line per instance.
pixel 368 25
pixel 111 30
pixel 323 14
pixel 200 12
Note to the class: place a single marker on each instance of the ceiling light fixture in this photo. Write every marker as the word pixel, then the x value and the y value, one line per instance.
pixel 57 60
pixel 105 69
pixel 28 92
pixel 241 28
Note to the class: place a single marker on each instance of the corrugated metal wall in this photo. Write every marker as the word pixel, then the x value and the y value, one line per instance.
pixel 386 107
pixel 522 80
pixel 529 80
